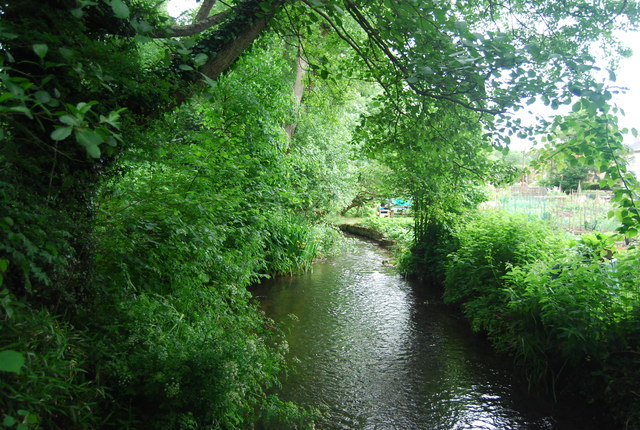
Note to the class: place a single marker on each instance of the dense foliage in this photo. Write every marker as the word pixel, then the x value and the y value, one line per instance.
pixel 125 301
pixel 566 310
pixel 568 179
pixel 152 169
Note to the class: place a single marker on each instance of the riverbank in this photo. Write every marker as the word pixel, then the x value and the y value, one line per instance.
pixel 571 330
pixel 367 233
pixel 392 233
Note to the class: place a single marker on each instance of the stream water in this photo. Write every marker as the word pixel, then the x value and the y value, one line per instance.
pixel 371 350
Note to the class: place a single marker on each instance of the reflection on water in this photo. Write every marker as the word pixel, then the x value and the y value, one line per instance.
pixel 372 352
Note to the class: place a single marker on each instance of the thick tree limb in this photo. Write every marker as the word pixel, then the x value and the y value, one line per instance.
pixel 249 31
pixel 204 10
pixel 228 42
pixel 191 29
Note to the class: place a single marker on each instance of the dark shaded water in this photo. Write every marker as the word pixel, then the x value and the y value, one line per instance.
pixel 372 351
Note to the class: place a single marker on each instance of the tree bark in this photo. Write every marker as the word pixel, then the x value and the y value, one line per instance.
pixel 298 92
pixel 245 30
pixel 191 29
pixel 204 10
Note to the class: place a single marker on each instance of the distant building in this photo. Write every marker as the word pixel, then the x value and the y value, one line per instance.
pixel 634 158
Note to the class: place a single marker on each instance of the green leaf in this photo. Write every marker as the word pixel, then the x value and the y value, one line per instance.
pixel 61 133
pixel 69 120
pixel 43 96
pixel 91 141
pixel 120 9
pixel 141 26
pixel 93 151
pixel 83 107
pixel 185 67
pixel 66 53
pixel 9 421
pixel 4 264
pixel 40 49
pixel 11 361
pixel 21 109
pixel 577 107
pixel 209 81
pixel 138 38
pixel 200 59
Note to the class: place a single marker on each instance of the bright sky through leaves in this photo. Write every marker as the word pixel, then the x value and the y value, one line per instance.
pixel 176 7
pixel 626 78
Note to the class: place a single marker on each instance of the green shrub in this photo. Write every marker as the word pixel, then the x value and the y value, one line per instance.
pixel 427 258
pixel 281 415
pixel 361 211
pixel 399 229
pixel 564 310
pixel 202 356
pixel 579 316
pixel 489 245
pixel 51 388
pixel 181 345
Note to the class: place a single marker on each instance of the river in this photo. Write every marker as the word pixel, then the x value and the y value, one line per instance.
pixel 371 350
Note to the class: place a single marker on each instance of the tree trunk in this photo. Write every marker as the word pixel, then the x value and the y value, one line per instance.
pixel 298 93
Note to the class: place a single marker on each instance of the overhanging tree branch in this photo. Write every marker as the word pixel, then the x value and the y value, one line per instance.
pixel 228 42
pixel 204 10
pixel 374 35
pixel 249 31
pixel 189 30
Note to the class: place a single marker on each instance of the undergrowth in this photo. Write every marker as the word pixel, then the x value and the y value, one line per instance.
pixel 567 309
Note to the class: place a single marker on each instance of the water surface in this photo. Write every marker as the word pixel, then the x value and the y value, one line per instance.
pixel 373 351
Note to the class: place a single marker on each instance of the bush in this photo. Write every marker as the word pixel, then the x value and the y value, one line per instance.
pixel 181 345
pixel 202 356
pixel 427 258
pixel 399 229
pixel 565 310
pixel 50 389
pixel 488 247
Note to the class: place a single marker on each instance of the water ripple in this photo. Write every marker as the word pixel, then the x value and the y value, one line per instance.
pixel 373 355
